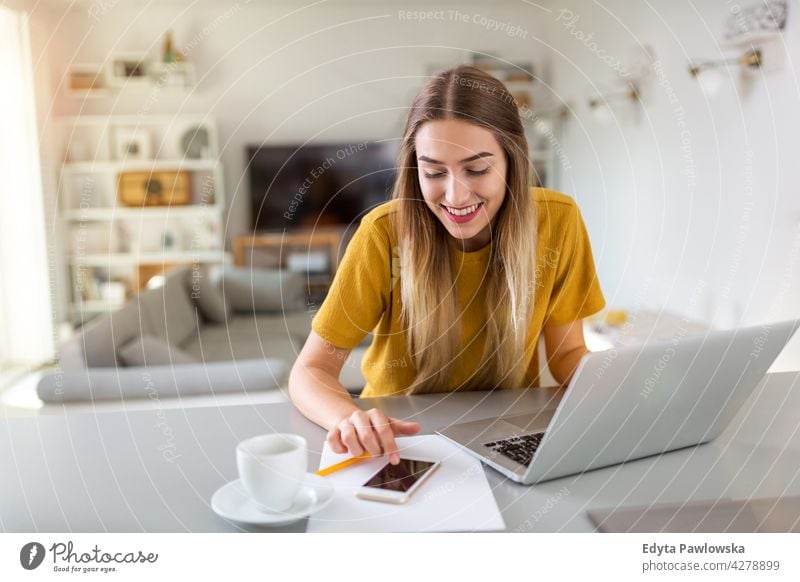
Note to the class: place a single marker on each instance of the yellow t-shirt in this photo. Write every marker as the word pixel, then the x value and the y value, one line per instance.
pixel 365 294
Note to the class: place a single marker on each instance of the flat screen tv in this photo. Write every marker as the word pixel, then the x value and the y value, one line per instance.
pixel 310 186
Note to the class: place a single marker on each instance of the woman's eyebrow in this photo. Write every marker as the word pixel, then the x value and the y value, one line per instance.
pixel 464 161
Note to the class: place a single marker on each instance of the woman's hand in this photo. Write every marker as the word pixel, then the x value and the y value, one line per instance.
pixel 370 431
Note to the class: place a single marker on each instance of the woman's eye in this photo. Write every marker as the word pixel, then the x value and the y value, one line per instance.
pixel 435 175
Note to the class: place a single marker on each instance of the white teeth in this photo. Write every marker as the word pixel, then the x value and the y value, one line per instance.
pixel 462 211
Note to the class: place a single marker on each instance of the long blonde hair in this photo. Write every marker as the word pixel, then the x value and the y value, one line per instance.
pixel 429 300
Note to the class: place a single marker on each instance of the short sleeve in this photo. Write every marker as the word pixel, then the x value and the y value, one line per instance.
pixel 576 290
pixel 359 293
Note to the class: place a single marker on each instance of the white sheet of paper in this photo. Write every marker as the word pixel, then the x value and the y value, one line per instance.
pixel 456 497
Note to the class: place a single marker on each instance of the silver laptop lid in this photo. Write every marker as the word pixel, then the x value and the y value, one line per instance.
pixel 627 403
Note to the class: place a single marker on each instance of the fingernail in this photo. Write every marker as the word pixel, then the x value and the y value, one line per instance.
pixel 394 458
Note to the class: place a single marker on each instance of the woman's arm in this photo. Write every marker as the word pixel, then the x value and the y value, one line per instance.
pixel 565 347
pixel 315 389
pixel 314 385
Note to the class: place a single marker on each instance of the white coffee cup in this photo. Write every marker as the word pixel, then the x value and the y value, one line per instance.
pixel 272 468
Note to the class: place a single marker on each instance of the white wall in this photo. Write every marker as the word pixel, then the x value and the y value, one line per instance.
pixel 692 202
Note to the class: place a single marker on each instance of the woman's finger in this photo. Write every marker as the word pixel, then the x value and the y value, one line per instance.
pixel 361 421
pixel 383 429
pixel 335 441
pixel 403 426
pixel 350 438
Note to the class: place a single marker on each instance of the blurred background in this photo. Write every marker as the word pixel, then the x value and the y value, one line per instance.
pixel 200 137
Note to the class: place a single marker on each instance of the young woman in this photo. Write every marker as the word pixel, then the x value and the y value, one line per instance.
pixel 456 277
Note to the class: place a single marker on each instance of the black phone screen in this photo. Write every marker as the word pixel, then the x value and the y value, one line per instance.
pixel 400 477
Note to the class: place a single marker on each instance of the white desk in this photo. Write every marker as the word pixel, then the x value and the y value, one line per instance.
pixel 112 471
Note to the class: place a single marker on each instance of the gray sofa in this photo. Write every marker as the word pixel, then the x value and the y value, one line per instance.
pixel 200 334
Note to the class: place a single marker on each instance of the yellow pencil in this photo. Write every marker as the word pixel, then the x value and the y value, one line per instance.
pixel 342 465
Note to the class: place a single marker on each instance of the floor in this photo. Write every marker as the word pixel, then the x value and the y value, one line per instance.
pixel 18 398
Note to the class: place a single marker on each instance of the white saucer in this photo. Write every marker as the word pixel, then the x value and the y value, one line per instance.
pixel 232 502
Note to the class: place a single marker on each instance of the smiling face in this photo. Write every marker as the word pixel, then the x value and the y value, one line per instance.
pixel 462 175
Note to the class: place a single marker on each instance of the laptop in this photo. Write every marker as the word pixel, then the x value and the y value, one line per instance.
pixel 630 402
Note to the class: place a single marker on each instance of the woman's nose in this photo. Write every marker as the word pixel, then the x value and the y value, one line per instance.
pixel 458 192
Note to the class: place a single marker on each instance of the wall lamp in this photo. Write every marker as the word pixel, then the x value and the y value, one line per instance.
pixel 752 59
pixel 630 93
pixel 558 113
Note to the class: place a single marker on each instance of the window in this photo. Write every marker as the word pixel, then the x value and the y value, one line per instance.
pixel 3 336
pixel 26 321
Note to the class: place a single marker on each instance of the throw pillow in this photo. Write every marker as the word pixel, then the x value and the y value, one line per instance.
pixel 207 293
pixel 263 290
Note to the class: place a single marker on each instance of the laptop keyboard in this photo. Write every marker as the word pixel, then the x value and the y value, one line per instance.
pixel 519 448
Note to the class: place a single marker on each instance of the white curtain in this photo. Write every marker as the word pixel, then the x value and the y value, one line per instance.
pixel 26 318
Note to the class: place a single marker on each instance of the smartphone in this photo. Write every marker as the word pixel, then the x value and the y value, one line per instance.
pixel 396 483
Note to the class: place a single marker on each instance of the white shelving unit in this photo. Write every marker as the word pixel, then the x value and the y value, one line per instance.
pixel 105 80
pixel 112 248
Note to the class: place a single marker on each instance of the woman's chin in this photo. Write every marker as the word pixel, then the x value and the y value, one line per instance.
pixel 470 238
